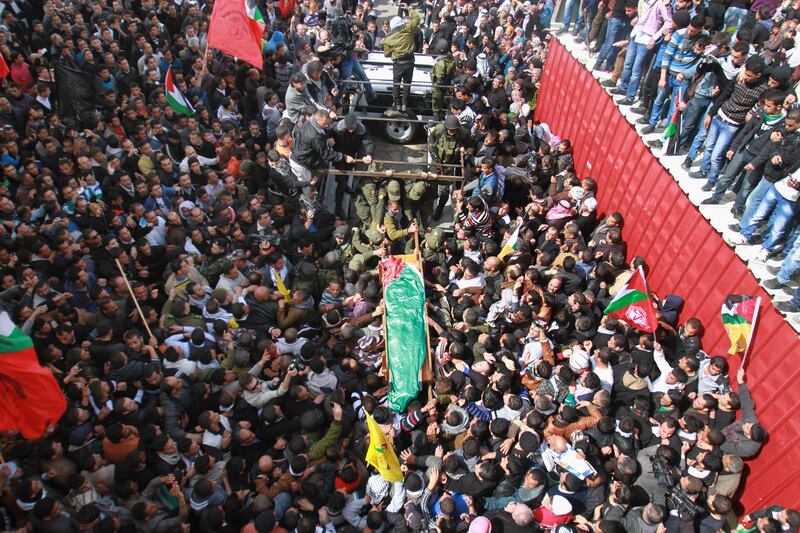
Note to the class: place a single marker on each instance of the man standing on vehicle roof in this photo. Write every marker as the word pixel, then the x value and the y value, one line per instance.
pixel 441 75
pixel 446 142
pixel 399 44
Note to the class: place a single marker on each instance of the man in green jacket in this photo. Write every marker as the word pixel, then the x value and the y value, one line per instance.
pixel 399 45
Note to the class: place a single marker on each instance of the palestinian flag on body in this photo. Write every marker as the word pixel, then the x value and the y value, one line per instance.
pixel 406 329
pixel 512 245
pixel 632 304
pixel 738 313
pixel 31 398
pixel 175 97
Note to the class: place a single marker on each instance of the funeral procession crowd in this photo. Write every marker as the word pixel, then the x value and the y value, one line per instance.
pixel 194 242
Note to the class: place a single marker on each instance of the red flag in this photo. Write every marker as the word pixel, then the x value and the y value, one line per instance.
pixel 4 70
pixel 31 398
pixel 632 304
pixel 236 33
pixel 286 7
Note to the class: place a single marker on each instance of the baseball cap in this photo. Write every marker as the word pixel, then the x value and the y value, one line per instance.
pixel 350 121
pixel 417 190
pixel 393 191
pixel 451 122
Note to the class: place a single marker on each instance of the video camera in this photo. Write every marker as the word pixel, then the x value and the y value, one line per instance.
pixel 255 243
pixel 298 365
pixel 342 39
pixel 676 497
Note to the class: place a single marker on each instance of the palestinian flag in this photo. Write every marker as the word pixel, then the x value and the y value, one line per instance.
pixel 671 136
pixel 632 304
pixel 175 97
pixel 738 318
pixel 31 397
pixel 406 329
pixel 512 245
pixel 256 21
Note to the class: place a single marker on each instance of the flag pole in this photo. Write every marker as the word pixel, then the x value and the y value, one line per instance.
pixel 752 332
pixel 649 301
pixel 205 54
pixel 133 296
pixel 463 175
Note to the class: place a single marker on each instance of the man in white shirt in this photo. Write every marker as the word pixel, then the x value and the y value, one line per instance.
pixel 192 153
pixel 670 378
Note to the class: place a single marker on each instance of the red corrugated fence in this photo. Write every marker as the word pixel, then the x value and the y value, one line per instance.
pixel 685 255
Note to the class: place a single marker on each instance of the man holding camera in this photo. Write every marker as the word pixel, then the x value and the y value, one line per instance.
pixel 257 392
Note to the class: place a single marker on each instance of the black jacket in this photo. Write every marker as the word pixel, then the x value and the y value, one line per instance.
pixel 311 148
pixel 789 150
pixel 356 144
pixel 470 485
pixel 754 135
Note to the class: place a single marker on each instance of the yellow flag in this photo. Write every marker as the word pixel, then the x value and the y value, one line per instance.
pixel 512 245
pixel 281 287
pixel 381 454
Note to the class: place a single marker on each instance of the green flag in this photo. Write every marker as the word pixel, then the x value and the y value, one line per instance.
pixel 406 334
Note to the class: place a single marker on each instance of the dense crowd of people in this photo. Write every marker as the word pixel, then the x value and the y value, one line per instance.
pixel 218 332
pixel 730 68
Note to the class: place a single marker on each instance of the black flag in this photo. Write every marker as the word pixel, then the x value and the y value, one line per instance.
pixel 75 91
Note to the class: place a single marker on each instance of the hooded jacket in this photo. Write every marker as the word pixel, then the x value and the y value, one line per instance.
pixel 400 42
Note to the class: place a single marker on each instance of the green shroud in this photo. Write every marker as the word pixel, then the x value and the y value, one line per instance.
pixel 406 340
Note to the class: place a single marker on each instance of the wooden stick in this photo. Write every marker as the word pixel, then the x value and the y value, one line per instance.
pixel 426 372
pixel 385 356
pixel 752 332
pixel 135 301
pixel 205 57
pixel 463 174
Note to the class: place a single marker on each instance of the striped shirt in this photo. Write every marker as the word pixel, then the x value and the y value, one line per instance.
pixel 680 55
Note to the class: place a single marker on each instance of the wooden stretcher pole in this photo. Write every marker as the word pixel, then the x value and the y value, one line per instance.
pixel 385 356
pixel 427 368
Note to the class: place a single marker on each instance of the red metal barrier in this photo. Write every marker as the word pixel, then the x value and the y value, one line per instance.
pixel 686 256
